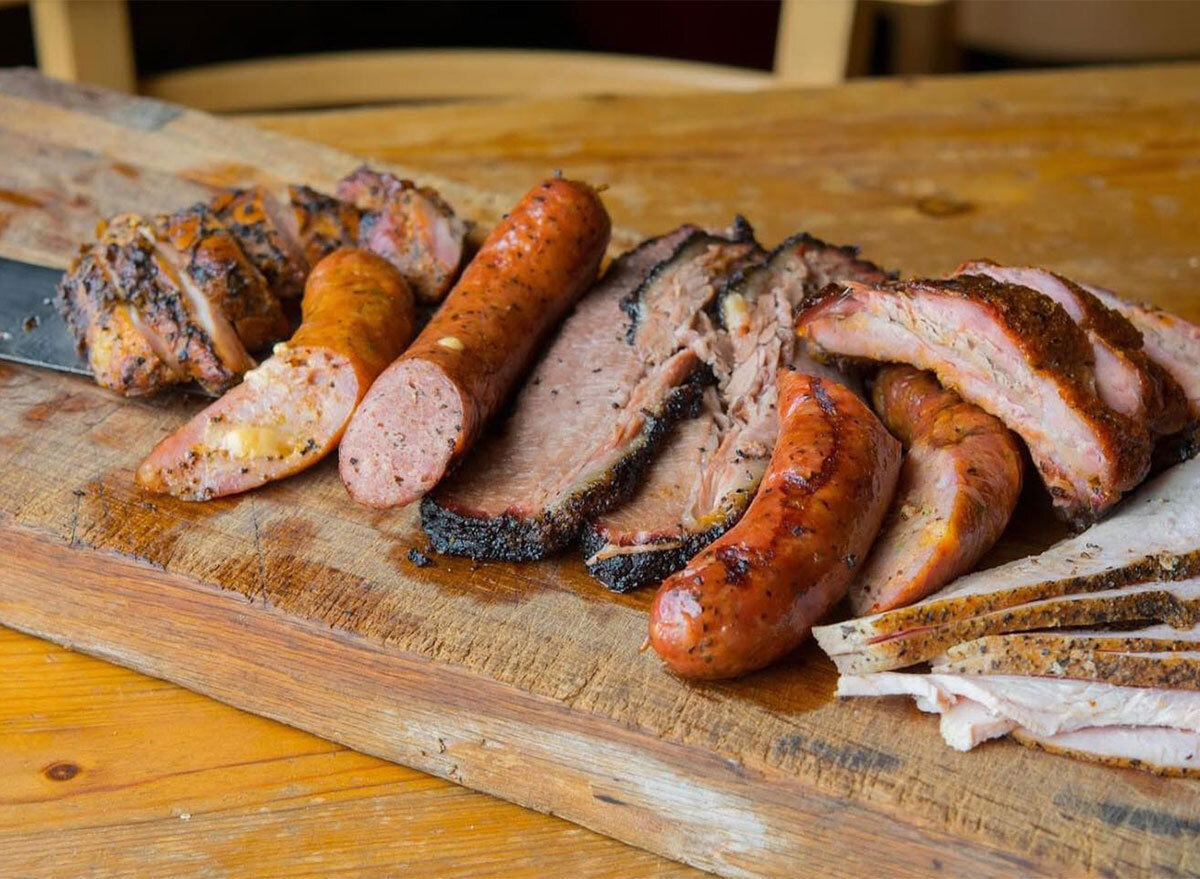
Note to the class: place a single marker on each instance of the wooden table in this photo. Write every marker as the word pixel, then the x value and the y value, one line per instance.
pixel 105 769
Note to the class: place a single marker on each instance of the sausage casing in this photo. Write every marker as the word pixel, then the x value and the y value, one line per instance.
pixel 430 406
pixel 291 410
pixel 753 594
pixel 959 484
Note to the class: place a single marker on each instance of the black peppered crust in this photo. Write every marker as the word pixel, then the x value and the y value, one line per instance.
pixel 518 538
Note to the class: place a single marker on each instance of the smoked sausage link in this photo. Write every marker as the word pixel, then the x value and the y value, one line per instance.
pixel 290 411
pixel 958 488
pixel 752 595
pixel 427 409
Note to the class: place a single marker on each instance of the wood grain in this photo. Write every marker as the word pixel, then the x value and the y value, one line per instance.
pixel 293 604
pixel 122 775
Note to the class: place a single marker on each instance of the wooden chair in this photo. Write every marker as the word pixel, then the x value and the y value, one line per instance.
pixel 818 42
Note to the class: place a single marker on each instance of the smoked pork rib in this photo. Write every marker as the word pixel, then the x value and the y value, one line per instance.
pixel 1148 549
pixel 1126 378
pixel 710 468
pixel 582 429
pixel 1011 351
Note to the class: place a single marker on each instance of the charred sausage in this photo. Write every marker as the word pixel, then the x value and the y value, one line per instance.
pixel 959 484
pixel 753 594
pixel 290 411
pixel 429 407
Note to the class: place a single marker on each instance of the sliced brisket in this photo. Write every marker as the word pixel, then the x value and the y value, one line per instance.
pixel 710 468
pixel 582 429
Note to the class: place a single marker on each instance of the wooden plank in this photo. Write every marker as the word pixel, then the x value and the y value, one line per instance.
pixel 122 775
pixel 293 603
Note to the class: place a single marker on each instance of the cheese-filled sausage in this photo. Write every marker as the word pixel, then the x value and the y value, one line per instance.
pixel 753 594
pixel 429 407
pixel 959 484
pixel 290 411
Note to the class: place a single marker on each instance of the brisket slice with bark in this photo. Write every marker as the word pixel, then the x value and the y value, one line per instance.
pixel 584 426
pixel 711 466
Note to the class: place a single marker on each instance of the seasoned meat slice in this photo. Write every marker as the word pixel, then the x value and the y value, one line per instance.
pixel 1168 339
pixel 268 234
pixel 1081 718
pixel 209 259
pixel 1009 350
pixel 192 334
pixel 1126 378
pixel 1152 539
pixel 410 226
pixel 124 354
pixel 653 534
pixel 708 474
pixel 1156 656
pixel 959 484
pixel 581 432
pixel 1156 749
pixel 323 223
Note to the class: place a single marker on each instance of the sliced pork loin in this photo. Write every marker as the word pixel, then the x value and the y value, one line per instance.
pixel 1154 656
pixel 710 468
pixel 411 227
pixel 581 432
pixel 1011 351
pixel 1146 548
pixel 1081 718
pixel 1126 378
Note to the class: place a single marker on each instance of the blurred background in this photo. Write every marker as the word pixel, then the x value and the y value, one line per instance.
pixel 247 55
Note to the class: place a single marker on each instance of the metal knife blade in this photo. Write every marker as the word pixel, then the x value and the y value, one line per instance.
pixel 31 330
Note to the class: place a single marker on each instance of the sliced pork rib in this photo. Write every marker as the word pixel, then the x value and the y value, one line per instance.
pixel 1135 565
pixel 580 434
pixel 1174 344
pixel 410 226
pixel 1126 378
pixel 1009 350
pixel 709 469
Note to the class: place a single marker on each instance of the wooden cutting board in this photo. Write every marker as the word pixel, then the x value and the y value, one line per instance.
pixel 521 680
